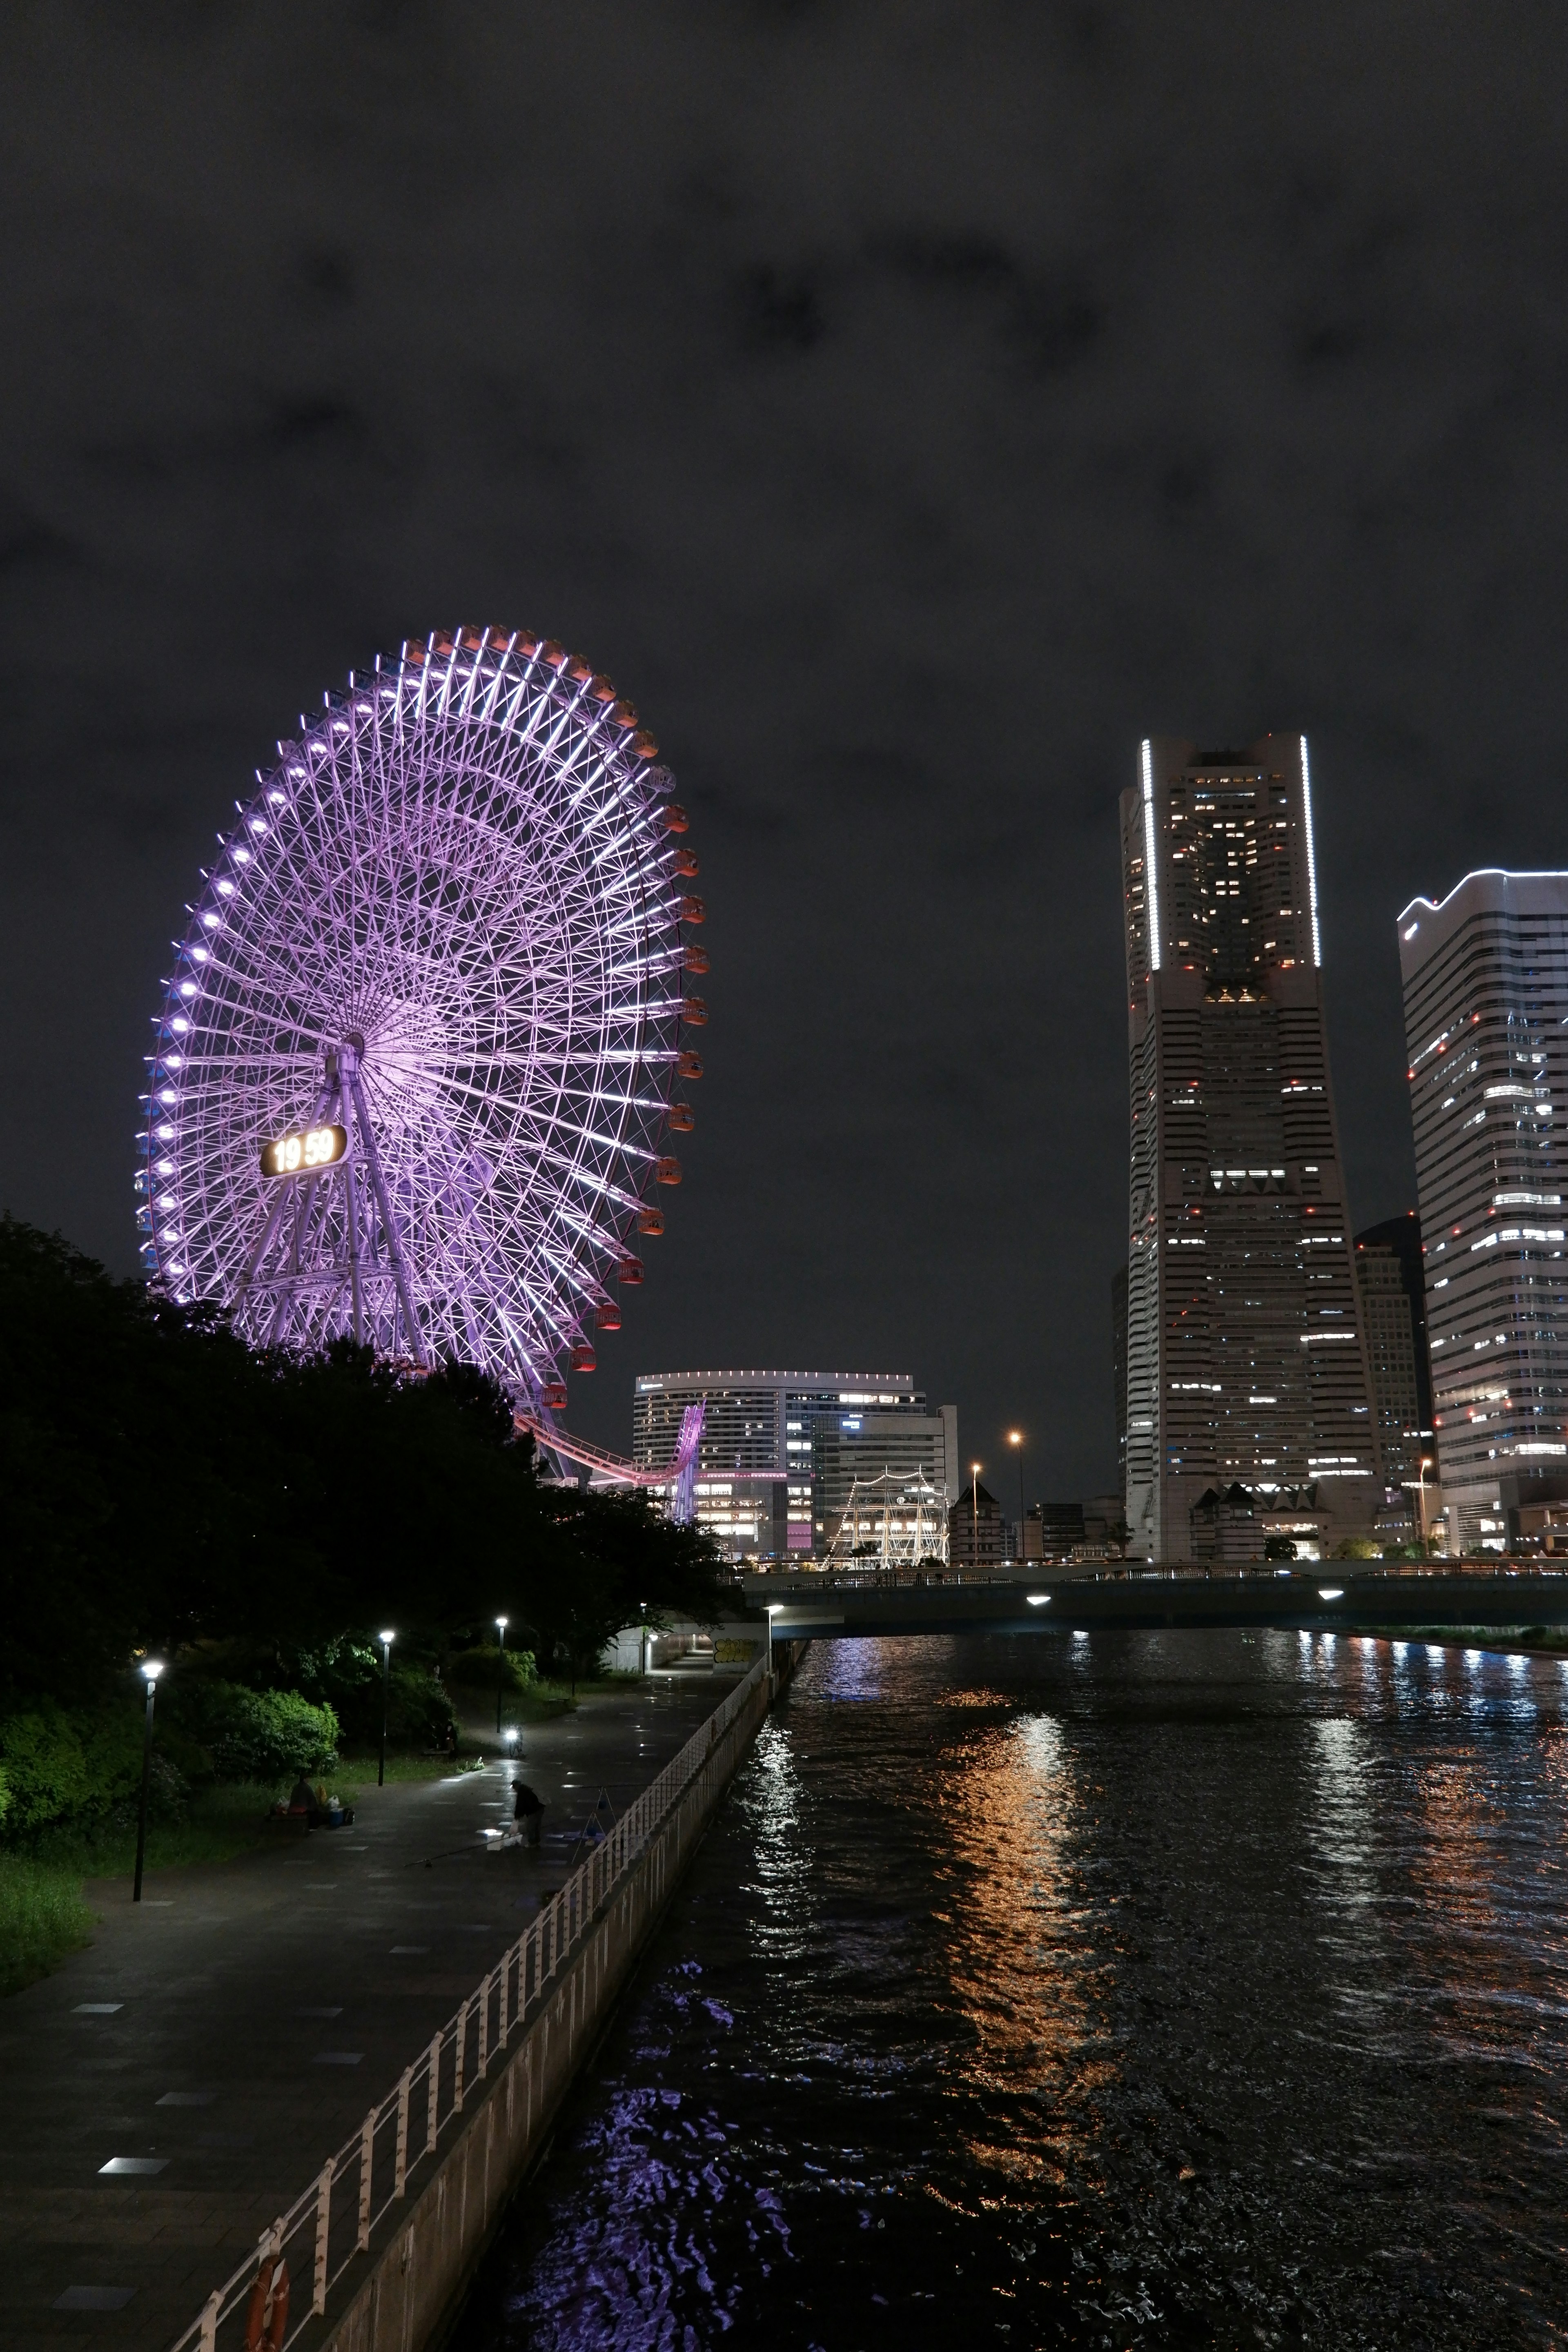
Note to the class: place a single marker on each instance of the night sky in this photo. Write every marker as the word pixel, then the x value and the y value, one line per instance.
pixel 909 406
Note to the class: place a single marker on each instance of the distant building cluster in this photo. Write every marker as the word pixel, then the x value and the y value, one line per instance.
pixel 784 1452
pixel 1285 1386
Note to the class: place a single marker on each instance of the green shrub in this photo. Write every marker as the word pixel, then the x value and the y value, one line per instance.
pixel 485 1667
pixel 420 1714
pixel 60 1764
pixel 345 1675
pixel 266 1736
pixel 45 1770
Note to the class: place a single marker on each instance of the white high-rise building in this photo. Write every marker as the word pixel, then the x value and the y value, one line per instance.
pixel 1247 1409
pixel 1486 999
pixel 781 1450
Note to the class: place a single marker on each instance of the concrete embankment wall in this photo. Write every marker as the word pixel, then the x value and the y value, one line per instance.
pixel 412 2284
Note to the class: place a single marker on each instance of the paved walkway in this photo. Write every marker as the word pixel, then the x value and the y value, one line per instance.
pixel 219 2042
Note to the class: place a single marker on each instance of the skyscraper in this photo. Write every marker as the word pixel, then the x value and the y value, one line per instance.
pixel 1245 1365
pixel 1486 998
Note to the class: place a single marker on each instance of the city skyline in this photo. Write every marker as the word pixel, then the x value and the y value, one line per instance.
pixel 893 531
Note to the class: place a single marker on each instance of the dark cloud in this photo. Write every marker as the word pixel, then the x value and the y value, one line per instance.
pixel 911 406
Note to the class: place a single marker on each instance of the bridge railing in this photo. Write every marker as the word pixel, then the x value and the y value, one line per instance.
pixel 330 2220
pixel 813 1582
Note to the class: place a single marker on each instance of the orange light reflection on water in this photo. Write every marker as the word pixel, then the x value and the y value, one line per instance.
pixel 1024 1972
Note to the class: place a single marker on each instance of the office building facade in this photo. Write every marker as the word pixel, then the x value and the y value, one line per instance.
pixel 1403 1236
pixel 977 1533
pixel 1389 1328
pixel 1486 999
pixel 1245 1363
pixel 781 1450
pixel 1118 1368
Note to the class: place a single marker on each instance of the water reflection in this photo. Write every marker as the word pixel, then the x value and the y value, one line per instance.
pixel 1024 1972
pixel 1158 1989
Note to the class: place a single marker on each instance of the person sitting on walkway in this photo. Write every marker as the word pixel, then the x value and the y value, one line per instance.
pixel 529 1810
pixel 303 1802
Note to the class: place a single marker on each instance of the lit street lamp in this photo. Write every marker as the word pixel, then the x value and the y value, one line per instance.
pixel 773 1609
pixel 501 1677
pixel 1417 1486
pixel 1016 1439
pixel 386 1641
pixel 974 1470
pixel 151 1668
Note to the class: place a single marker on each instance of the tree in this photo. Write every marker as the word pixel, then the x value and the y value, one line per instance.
pixel 162 1484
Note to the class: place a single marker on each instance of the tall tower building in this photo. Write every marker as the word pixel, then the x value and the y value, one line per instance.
pixel 1486 998
pixel 1248 1401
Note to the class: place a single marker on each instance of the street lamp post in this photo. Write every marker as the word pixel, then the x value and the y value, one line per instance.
pixel 974 1470
pixel 773 1609
pixel 501 1677
pixel 151 1668
pixel 1016 1439
pixel 385 1640
pixel 642 1640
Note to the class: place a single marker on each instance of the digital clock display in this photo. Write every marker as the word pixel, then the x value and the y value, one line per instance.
pixel 292 1155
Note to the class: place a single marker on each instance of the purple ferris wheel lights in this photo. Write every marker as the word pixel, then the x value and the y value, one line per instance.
pixel 447 928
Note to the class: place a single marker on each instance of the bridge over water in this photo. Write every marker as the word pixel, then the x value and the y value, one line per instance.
pixel 1335 1596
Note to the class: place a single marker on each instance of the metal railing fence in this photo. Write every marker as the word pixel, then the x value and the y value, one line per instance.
pixel 812 1584
pixel 331 2221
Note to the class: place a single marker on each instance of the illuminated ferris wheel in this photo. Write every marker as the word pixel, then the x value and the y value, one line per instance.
pixel 419 1061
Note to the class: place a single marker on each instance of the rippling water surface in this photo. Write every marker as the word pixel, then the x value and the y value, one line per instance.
pixel 1151 1989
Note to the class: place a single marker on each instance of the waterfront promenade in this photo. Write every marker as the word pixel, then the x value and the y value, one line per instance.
pixel 218 2043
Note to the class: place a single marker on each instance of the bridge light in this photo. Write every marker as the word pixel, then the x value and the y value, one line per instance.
pixel 1330 1592
pixel 1037 1599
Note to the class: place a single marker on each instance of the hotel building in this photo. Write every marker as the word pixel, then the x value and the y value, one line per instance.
pixel 1486 998
pixel 1246 1388
pixel 781 1450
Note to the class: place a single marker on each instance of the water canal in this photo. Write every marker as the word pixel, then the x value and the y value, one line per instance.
pixel 1151 1989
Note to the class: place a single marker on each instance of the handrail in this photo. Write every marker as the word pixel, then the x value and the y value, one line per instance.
pixel 331 2221
pixel 812 1584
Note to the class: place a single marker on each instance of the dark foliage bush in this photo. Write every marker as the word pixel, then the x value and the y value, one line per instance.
pixel 485 1667
pixel 252 1734
pixel 308 1503
pixel 68 1764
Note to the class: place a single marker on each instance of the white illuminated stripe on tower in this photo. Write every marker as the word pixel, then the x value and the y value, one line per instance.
pixel 1152 890
pixel 1311 858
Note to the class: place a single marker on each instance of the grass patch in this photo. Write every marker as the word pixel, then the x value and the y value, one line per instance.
pixel 42 1918
pixel 218 1822
pixel 357 1772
